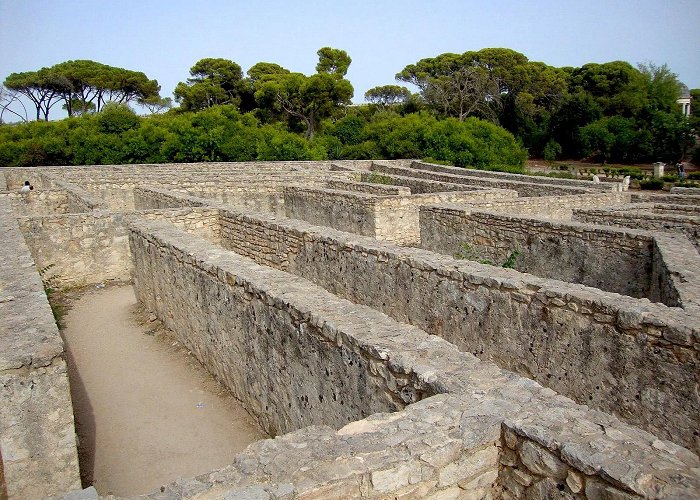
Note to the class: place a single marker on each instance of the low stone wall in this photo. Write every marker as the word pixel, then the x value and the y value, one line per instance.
pixel 492 174
pixel 367 187
pixel 38 202
pixel 671 199
pixel 685 191
pixel 615 260
pixel 37 436
pixel 524 187
pixel 15 178
pixel 343 210
pixel 151 198
pixel 551 207
pixel 637 359
pixel 317 379
pixel 417 186
pixel 463 443
pixel 388 218
pixel 643 217
pixel 93 247
pixel 676 272
pixel 79 199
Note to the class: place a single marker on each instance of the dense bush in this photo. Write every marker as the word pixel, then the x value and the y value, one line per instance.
pixel 222 133
pixel 651 184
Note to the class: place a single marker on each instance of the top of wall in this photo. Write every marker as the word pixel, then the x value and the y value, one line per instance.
pixel 28 331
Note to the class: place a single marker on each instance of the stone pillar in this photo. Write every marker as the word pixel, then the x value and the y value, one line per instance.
pixel 659 169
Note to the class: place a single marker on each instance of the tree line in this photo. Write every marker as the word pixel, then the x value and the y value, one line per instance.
pixel 82 86
pixel 606 112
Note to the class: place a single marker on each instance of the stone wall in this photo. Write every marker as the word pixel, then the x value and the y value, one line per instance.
pixel 417 186
pixel 39 202
pixel 615 260
pixel 685 191
pixel 551 207
pixel 292 369
pixel 388 218
pixel 37 436
pixel 630 361
pixel 343 210
pixel 152 198
pixel 644 217
pixel 368 187
pixel 676 272
pixel 524 186
pixel 93 247
pixel 492 174
pixel 672 199
pixel 466 442
pixel 79 199
pixel 15 177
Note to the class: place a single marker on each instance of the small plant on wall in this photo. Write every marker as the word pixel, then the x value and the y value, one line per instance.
pixel 466 252
pixel 51 282
pixel 376 178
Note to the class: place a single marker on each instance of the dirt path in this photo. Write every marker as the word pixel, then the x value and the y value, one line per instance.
pixel 146 412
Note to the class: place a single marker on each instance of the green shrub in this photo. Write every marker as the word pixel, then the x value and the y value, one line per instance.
pixel 552 150
pixel 651 184
pixel 376 178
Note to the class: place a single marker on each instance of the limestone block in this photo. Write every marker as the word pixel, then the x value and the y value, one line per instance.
pixel 541 461
pixel 469 465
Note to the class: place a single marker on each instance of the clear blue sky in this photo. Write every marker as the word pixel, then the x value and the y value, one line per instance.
pixel 165 38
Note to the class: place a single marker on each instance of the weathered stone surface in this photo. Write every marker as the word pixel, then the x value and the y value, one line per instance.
pixel 37 437
pixel 541 461
pixel 469 466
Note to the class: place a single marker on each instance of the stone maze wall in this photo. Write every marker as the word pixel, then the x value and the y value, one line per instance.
pixel 356 361
pixel 616 260
pixel 37 437
pixel 39 202
pixel 388 218
pixel 550 207
pixel 524 188
pixel 627 361
pixel 649 217
pixel 388 371
pixel 505 176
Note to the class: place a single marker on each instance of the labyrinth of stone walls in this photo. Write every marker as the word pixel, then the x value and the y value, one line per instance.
pixel 524 188
pixel 388 218
pixel 505 316
pixel 387 371
pixel 381 454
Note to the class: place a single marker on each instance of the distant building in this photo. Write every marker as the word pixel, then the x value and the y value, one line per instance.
pixel 684 102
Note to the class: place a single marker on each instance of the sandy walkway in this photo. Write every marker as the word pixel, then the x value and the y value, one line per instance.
pixel 146 412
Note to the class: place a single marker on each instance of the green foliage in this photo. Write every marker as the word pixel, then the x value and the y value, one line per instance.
pixel 51 282
pixel 651 184
pixel 509 263
pixel 213 81
pixel 376 178
pixel 552 150
pixel 388 95
pixel 467 252
pixel 333 61
pixel 117 118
